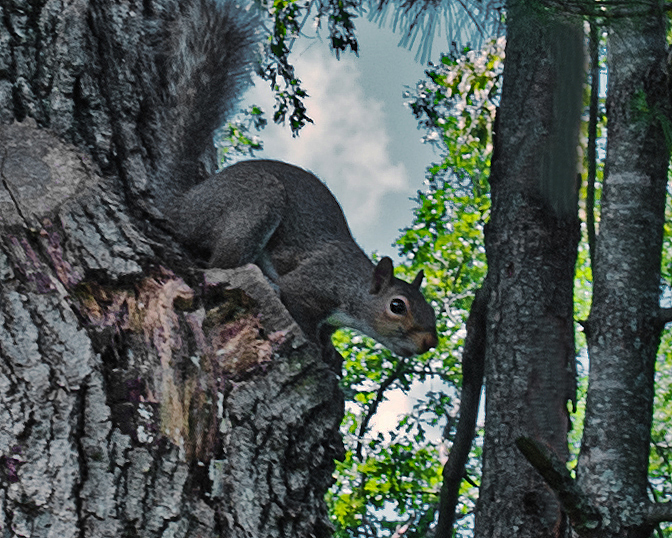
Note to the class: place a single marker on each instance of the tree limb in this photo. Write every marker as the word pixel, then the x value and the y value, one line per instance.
pixel 380 394
pixel 473 361
pixel 659 512
pixel 664 316
pixel 581 512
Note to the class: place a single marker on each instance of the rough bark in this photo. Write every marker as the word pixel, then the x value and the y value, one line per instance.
pixel 138 396
pixel 531 243
pixel 623 329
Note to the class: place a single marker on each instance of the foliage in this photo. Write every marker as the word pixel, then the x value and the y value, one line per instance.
pixel 389 480
pixel 583 277
pixel 235 139
pixel 288 18
pixel 413 17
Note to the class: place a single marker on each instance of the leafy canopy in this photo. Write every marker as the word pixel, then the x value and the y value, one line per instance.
pixel 418 20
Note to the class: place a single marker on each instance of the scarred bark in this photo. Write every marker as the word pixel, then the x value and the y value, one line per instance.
pixel 138 396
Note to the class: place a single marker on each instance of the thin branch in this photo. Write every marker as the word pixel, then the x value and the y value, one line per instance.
pixel 581 512
pixel 473 363
pixel 308 9
pixel 472 16
pixel 380 394
pixel 654 494
pixel 604 9
pixel 659 513
pixel 470 481
pixel 592 139
pixel 664 316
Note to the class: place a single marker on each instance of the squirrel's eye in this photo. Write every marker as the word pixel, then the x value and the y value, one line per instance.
pixel 397 306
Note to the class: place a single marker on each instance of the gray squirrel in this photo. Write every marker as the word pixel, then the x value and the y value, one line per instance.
pixel 280 217
pixel 286 221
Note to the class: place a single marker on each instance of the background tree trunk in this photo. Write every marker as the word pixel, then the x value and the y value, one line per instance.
pixel 133 401
pixel 624 324
pixel 531 243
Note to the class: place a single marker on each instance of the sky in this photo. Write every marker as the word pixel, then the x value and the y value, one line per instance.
pixel 364 143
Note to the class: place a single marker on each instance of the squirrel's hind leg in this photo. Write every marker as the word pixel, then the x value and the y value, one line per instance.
pixel 241 238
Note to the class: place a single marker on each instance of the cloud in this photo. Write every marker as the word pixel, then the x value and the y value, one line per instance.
pixel 348 145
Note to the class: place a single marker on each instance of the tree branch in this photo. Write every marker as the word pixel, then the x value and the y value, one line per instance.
pixel 604 9
pixel 659 512
pixel 664 316
pixel 581 512
pixel 473 361
pixel 592 138
pixel 380 394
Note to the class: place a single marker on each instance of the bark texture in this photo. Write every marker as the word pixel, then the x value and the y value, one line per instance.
pixel 138 396
pixel 531 244
pixel 623 330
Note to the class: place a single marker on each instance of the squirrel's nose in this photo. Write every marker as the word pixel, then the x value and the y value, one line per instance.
pixel 429 341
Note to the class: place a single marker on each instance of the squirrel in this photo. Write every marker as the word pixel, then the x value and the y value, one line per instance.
pixel 286 221
pixel 273 214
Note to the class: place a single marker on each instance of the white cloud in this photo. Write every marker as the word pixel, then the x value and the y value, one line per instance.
pixel 347 146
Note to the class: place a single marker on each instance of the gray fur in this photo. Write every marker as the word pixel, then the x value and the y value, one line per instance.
pixel 269 213
pixel 286 220
pixel 205 54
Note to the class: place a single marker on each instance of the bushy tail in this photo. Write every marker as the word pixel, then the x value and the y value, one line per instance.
pixel 205 52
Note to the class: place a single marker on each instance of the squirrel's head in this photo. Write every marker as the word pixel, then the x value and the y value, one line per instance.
pixel 400 317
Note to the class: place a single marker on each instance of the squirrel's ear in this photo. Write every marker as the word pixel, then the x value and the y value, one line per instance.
pixel 418 279
pixel 382 275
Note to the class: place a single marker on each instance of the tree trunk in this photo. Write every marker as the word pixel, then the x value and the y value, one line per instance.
pixel 531 243
pixel 624 324
pixel 138 396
